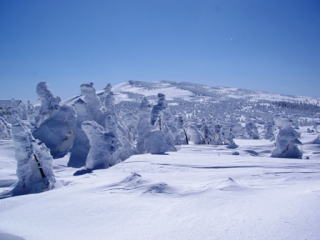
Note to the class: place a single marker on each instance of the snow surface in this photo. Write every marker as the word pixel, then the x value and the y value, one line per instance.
pixel 200 192
pixel 171 92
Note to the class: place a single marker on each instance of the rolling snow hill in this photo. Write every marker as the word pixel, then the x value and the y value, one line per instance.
pixel 198 92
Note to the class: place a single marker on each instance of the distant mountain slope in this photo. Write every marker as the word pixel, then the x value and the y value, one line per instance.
pixel 198 92
pixel 223 105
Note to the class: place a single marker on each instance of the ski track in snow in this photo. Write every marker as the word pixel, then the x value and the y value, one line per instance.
pixel 199 192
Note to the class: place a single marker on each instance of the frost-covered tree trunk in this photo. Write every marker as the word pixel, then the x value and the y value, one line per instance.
pixel 287 144
pixel 102 146
pixel 5 129
pixel 34 162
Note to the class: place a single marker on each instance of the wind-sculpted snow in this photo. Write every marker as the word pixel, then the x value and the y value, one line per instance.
pixel 135 183
pixel 232 196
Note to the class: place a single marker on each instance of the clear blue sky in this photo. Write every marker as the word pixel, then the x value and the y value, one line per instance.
pixel 271 45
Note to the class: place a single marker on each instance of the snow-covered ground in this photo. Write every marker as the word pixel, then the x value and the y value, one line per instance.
pixel 199 192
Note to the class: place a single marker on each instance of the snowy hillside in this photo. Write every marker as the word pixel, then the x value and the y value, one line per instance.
pixel 161 160
pixel 199 92
pixel 222 105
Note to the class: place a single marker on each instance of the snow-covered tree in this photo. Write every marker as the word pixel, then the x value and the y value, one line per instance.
pixel 238 130
pixel 5 129
pixel 49 103
pixel 55 124
pixel 144 125
pixel 58 131
pixel 194 135
pixel 206 133
pixel 102 146
pixel 181 136
pixel 287 144
pixel 113 125
pixel 93 104
pixel 156 118
pixel 34 162
pixel 88 108
pixel 31 112
pixel 228 137
pixel 251 131
pixel 150 139
pixel 217 138
pixel 108 99
pixel 80 148
pixel 269 130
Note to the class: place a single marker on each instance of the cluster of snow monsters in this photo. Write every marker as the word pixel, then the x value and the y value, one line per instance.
pixel 91 130
pixel 97 133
